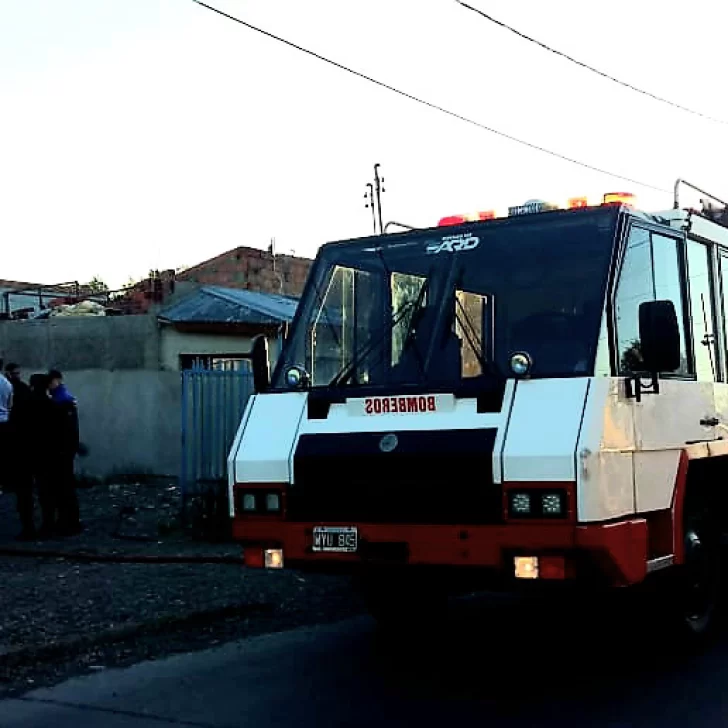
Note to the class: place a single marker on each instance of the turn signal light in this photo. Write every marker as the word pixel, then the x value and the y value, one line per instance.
pixel 541 567
pixel 552 567
pixel 253 557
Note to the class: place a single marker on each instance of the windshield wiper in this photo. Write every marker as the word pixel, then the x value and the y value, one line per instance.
pixel 345 373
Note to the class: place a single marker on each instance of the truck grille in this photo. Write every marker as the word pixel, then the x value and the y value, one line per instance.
pixel 441 477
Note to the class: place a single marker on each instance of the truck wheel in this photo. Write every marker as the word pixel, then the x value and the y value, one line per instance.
pixel 696 597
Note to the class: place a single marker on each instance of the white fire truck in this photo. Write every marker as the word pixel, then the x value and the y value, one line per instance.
pixel 529 399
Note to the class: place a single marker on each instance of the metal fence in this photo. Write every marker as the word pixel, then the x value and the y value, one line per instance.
pixel 213 401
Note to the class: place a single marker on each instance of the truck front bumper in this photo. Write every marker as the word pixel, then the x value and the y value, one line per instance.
pixel 611 553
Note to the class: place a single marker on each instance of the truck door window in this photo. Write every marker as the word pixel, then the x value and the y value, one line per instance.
pixel 724 295
pixel 669 285
pixel 405 290
pixel 650 271
pixel 470 328
pixel 702 313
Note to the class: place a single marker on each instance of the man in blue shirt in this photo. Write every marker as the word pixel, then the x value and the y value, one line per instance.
pixel 64 448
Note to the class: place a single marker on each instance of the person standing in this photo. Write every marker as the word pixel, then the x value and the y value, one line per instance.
pixel 20 432
pixel 6 403
pixel 65 436
pixel 42 412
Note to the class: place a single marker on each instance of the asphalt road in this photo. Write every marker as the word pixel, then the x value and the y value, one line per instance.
pixel 486 667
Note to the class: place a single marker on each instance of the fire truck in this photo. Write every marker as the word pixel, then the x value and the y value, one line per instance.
pixel 535 399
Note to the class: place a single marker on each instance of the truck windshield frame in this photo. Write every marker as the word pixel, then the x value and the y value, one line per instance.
pixel 443 308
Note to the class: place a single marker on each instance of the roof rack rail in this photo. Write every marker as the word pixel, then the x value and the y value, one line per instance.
pixel 676 199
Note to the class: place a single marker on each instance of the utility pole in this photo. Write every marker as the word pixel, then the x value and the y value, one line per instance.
pixel 369 197
pixel 373 197
pixel 272 251
pixel 378 189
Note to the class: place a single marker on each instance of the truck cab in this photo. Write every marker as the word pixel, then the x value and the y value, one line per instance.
pixel 528 399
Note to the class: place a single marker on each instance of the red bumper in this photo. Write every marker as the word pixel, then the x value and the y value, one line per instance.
pixel 617 552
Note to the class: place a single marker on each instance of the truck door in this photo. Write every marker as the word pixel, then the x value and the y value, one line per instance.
pixel 721 389
pixel 654 268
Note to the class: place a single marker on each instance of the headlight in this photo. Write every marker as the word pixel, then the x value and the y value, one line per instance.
pixel 552 504
pixel 273 502
pixel 520 363
pixel 520 504
pixel 249 502
pixel 296 377
pixel 537 503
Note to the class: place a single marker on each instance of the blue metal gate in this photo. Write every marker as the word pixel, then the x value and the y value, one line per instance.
pixel 213 402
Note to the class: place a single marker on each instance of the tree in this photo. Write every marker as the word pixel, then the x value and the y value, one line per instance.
pixel 632 358
pixel 96 285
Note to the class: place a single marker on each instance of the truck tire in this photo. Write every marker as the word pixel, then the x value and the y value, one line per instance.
pixel 693 598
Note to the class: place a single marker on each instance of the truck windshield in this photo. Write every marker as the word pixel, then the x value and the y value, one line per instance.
pixel 445 306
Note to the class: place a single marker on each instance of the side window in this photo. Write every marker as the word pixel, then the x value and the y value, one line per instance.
pixel 650 271
pixel 602 366
pixel 470 315
pixel 666 265
pixel 635 286
pixel 702 313
pixel 405 291
pixel 724 295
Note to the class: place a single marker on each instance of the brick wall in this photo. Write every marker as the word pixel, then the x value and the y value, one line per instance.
pixel 252 269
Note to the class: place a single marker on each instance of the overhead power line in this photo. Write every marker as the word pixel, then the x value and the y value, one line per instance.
pixel 661 99
pixel 431 105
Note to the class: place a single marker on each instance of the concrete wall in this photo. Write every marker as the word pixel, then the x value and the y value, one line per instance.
pixel 129 410
pixel 130 421
pixel 124 373
pixel 110 343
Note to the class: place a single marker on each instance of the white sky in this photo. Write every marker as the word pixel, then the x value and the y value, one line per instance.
pixel 154 133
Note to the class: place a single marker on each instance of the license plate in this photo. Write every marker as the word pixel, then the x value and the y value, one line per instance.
pixel 343 539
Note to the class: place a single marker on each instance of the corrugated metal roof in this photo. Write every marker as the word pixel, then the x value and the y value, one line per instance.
pixel 214 304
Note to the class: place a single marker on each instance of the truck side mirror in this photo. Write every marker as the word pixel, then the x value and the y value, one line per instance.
pixel 659 336
pixel 261 364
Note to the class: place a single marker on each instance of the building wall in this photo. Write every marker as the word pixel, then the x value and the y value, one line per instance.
pixel 175 343
pixel 124 372
pixel 129 420
pixel 110 343
pixel 252 269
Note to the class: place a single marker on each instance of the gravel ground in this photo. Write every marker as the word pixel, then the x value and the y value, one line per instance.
pixel 60 617
pixel 129 518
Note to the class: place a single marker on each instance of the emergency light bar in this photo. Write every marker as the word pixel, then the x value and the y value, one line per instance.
pixel 472 217
pixel 532 207
pixel 619 198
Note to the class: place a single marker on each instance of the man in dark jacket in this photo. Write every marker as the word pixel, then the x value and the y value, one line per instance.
pixel 20 457
pixel 64 434
pixel 42 414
